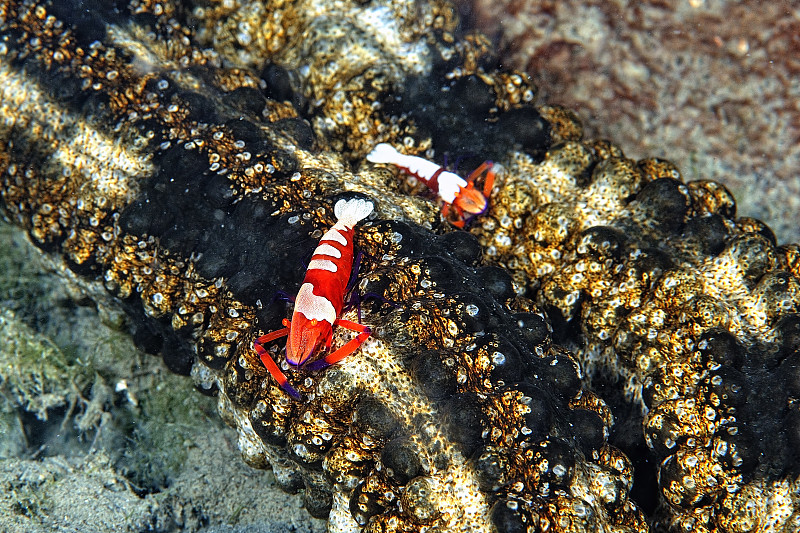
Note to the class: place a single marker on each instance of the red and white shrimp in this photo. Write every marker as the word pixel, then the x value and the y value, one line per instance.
pixel 453 190
pixel 320 300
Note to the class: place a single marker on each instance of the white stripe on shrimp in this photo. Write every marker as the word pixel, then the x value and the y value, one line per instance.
pixel 334 235
pixel 327 249
pixel 446 183
pixel 322 264
pixel 312 306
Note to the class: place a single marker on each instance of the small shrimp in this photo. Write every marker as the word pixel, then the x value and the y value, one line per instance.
pixel 320 301
pixel 454 191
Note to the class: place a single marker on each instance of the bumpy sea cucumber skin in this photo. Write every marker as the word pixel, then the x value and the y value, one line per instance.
pixel 163 152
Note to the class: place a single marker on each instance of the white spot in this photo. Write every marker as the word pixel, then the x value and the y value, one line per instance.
pixel 327 249
pixel 322 264
pixel 314 307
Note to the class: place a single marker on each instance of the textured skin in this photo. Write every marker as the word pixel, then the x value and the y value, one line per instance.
pixel 191 180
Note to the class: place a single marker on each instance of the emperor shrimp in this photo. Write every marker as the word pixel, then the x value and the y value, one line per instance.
pixel 320 300
pixel 454 191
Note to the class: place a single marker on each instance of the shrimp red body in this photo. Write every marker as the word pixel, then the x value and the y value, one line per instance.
pixel 454 191
pixel 320 300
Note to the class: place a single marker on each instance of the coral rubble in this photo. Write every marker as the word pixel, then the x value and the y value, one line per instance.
pixel 184 159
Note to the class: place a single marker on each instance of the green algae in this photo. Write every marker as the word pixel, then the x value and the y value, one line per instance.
pixel 103 393
pixel 157 445
pixel 41 371
pixel 34 373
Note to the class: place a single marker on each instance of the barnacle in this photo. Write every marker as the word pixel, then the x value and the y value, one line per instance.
pixel 190 179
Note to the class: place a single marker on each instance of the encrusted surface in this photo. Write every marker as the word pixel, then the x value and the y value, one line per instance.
pixel 192 179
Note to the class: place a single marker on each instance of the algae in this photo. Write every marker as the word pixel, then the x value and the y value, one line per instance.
pixel 34 373
pixel 97 436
